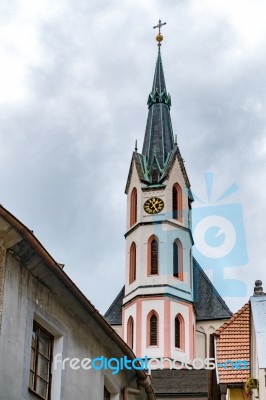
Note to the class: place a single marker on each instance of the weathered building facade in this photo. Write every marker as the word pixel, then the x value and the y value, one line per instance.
pixel 44 320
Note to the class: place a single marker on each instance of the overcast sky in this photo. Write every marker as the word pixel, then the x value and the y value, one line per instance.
pixel 74 81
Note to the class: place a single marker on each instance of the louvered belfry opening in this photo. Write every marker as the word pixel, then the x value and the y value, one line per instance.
pixel 153 330
pixel 177 332
pixel 154 257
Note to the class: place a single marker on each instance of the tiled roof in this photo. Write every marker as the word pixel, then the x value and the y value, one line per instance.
pixel 208 303
pixel 233 343
pixel 180 382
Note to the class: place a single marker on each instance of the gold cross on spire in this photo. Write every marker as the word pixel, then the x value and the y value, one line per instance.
pixel 159 37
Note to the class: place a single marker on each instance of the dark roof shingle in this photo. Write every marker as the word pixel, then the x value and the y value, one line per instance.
pixel 208 302
pixel 114 313
pixel 180 382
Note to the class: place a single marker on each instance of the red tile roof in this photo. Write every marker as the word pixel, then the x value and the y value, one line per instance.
pixel 233 343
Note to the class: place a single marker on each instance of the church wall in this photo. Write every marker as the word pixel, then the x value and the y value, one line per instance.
pixel 147 306
pixel 176 176
pixel 118 329
pixel 166 236
pixel 128 312
pixel 203 331
pixel 134 182
pixel 75 331
pixel 166 309
pixel 186 311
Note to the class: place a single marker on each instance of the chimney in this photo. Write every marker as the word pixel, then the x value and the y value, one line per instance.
pixel 258 289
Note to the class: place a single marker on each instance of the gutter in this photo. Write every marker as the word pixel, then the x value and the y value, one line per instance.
pixel 215 357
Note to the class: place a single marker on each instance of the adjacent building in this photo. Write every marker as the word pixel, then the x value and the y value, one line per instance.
pixel 50 333
pixel 239 350
pixel 231 349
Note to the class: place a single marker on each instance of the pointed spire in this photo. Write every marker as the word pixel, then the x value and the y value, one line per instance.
pixel 159 81
pixel 159 131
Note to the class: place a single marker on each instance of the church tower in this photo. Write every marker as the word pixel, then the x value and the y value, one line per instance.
pixel 168 307
pixel 157 313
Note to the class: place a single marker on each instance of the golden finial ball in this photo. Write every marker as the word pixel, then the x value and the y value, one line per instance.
pixel 159 38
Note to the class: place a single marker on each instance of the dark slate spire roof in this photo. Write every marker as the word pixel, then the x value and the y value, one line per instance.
pixel 159 139
pixel 114 313
pixel 209 305
pixel 158 80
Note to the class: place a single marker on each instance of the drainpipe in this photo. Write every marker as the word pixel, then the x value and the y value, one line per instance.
pixel 223 389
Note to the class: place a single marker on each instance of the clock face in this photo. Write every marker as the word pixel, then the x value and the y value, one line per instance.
pixel 153 205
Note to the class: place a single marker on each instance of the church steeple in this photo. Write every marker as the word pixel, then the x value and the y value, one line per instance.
pixel 158 301
pixel 159 140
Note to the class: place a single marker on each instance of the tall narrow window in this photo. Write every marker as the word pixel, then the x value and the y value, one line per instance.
pixel 41 358
pixel 177 202
pixel 153 256
pixel 177 332
pixel 133 207
pixel 132 263
pixel 153 330
pixel 130 332
pixel 177 259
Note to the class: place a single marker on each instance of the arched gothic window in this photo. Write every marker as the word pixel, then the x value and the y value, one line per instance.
pixel 177 259
pixel 133 207
pixel 153 255
pixel 153 329
pixel 177 202
pixel 179 332
pixel 130 332
pixel 132 263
